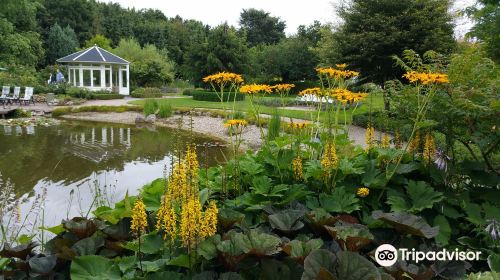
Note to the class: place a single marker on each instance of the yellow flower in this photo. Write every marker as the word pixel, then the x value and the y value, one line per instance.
pixel 398 142
pixel 192 167
pixel 301 125
pixel 426 78
pixel 414 144
pixel 236 123
pixel 139 218
pixel 429 148
pixel 298 172
pixel 363 192
pixel 166 219
pixel 369 137
pixel 178 187
pixel 283 87
pixel 386 141
pixel 190 222
pixel 330 159
pixel 223 78
pixel 209 223
pixel 310 91
pixel 341 66
pixel 255 89
pixel 337 73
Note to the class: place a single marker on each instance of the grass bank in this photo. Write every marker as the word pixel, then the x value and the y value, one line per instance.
pixel 373 103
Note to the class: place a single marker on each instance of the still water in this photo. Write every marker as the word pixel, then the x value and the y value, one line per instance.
pixel 72 161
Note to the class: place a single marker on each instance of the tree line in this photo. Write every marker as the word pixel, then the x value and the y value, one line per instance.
pixel 163 48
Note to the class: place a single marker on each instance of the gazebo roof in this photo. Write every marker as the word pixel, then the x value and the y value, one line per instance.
pixel 93 54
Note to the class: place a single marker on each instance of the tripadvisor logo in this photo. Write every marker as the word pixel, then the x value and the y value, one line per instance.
pixel 387 255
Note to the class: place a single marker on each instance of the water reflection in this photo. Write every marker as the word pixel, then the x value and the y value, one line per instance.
pixel 71 158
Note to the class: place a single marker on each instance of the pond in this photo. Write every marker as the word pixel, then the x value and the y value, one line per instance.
pixel 69 163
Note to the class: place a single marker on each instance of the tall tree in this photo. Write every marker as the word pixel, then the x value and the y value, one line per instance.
pixel 486 15
pixel 81 15
pixel 223 50
pixel 261 28
pixel 20 44
pixel 151 67
pixel 60 42
pixel 99 40
pixel 374 30
pixel 290 60
pixel 311 33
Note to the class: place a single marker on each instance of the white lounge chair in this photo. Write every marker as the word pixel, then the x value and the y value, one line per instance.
pixel 4 98
pixel 15 97
pixel 28 96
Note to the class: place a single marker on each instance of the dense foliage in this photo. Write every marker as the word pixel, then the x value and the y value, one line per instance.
pixel 374 30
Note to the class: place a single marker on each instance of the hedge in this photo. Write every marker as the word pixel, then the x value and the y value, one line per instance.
pixel 148 92
pixel 203 95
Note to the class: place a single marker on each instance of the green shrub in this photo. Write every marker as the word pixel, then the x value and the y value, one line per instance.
pixel 78 92
pixel 274 102
pixel 150 107
pixel 106 96
pixel 274 126
pixel 147 92
pixel 165 110
pixel 202 95
pixel 116 109
pixel 22 113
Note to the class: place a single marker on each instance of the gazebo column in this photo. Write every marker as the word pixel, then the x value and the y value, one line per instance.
pixel 128 78
pixel 80 73
pixel 103 76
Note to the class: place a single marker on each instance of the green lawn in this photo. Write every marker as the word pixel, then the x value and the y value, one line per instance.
pixel 375 102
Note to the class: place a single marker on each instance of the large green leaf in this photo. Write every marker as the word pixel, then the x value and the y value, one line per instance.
pixel 419 196
pixel 340 201
pixel 255 243
pixel 444 230
pixel 494 262
pixel 353 266
pixel 170 275
pixel 287 220
pixel 42 266
pixel 407 223
pixel 318 262
pixel 299 250
pixel 228 217
pixel 352 237
pixel 93 268
pixel 88 246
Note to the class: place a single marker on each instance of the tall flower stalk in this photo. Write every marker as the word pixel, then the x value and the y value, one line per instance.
pixel 255 93
pixel 225 83
pixel 426 85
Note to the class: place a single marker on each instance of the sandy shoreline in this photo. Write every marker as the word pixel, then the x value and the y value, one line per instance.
pixel 211 126
pixel 203 124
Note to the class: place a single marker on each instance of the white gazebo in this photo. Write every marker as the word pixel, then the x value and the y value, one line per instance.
pixel 97 69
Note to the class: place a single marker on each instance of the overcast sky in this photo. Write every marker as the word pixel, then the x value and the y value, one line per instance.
pixel 294 12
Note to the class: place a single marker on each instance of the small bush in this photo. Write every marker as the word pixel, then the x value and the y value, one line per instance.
pixel 148 92
pixel 78 92
pixel 107 96
pixel 274 102
pixel 165 110
pixel 150 107
pixel 116 109
pixel 274 126
pixel 22 113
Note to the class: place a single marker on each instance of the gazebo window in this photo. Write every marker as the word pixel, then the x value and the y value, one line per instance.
pixel 108 77
pixel 76 74
pixel 86 78
pixel 96 76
